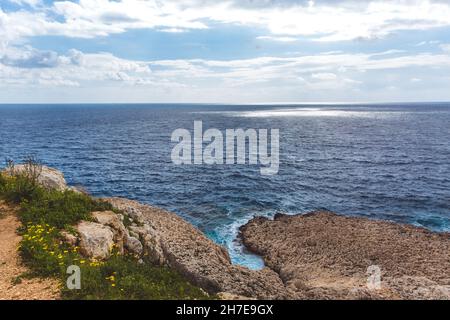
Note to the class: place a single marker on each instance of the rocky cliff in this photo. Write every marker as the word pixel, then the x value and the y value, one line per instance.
pixel 168 239
pixel 160 237
pixel 325 255
pixel 320 255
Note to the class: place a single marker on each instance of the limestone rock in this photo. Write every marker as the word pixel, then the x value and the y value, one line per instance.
pixel 77 189
pixel 322 255
pixel 134 246
pixel 109 218
pixel 69 238
pixel 170 240
pixel 122 237
pixel 49 178
pixel 112 220
pixel 133 234
pixel 96 240
pixel 153 249
pixel 133 213
pixel 230 296
pixel 141 232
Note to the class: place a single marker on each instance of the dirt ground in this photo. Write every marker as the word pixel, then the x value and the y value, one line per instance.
pixel 14 285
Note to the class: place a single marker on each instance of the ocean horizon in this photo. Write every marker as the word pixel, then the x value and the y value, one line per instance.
pixel 385 161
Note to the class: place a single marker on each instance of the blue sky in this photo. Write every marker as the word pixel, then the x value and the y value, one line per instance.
pixel 224 51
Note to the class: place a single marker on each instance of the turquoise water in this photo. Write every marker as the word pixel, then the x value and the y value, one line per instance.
pixel 380 161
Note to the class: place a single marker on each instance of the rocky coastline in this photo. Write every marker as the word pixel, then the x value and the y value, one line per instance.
pixel 319 255
pixel 170 240
pixel 323 255
pixel 159 237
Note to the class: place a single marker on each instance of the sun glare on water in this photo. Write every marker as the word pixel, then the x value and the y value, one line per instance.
pixel 311 112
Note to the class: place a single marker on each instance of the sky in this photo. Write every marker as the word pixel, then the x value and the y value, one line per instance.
pixel 230 51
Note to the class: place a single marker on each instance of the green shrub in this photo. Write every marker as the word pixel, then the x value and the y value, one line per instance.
pixel 14 189
pixel 43 252
pixel 59 209
pixel 123 278
pixel 16 185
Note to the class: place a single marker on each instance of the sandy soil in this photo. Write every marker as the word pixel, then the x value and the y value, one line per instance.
pixel 12 285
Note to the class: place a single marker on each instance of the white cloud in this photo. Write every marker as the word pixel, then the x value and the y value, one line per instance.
pixel 287 76
pixel 28 57
pixel 324 21
pixel 55 82
pixel 29 66
pixel 445 47
pixel 427 43
pixel 173 30
pixel 304 74
pixel 32 3
pixel 280 39
pixel 324 76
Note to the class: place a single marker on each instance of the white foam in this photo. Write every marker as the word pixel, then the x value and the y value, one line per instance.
pixel 238 254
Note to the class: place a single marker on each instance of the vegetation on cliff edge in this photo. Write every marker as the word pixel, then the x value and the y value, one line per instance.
pixel 45 213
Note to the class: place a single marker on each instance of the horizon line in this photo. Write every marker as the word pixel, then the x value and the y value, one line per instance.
pixel 223 103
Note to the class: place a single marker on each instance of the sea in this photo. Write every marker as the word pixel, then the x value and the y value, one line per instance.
pixel 380 161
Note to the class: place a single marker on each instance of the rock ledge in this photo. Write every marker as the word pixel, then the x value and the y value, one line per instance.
pixel 328 256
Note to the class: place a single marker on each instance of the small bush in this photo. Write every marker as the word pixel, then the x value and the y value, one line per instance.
pixel 123 278
pixel 16 185
pixel 42 251
pixel 14 189
pixel 59 209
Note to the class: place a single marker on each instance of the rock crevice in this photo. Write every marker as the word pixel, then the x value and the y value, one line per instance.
pixel 169 240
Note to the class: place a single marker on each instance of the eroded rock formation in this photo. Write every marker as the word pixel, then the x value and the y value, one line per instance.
pixel 325 255
pixel 170 240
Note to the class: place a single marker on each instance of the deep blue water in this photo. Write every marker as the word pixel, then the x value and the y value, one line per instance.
pixel 381 161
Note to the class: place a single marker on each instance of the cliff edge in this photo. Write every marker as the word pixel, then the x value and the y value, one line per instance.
pixel 319 255
pixel 170 240
pixel 328 256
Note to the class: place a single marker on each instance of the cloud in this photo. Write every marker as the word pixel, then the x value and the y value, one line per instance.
pixel 324 76
pixel 280 39
pixel 55 82
pixel 427 43
pixel 317 20
pixel 32 3
pixel 445 47
pixel 29 58
pixel 282 75
pixel 26 66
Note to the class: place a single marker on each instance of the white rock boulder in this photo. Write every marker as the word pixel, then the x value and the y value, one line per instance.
pixel 49 178
pixel 133 245
pixel 96 240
